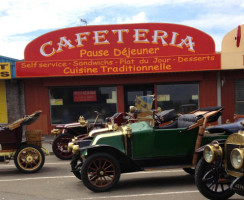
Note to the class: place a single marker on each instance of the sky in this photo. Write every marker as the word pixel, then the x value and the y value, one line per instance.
pixel 22 21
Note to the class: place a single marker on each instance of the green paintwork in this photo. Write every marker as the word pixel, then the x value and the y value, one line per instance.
pixel 148 142
pixel 114 139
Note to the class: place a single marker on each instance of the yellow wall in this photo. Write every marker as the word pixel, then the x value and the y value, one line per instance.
pixel 3 105
pixel 231 55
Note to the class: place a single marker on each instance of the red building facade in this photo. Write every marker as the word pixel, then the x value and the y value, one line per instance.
pixel 75 71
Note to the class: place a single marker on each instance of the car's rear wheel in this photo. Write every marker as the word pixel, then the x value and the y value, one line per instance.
pixel 29 158
pixel 60 146
pixel 100 172
pixel 212 181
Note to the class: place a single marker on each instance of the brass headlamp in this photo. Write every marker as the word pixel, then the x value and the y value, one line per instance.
pixel 212 152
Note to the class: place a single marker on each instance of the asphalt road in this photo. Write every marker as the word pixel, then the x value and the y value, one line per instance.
pixel 56 182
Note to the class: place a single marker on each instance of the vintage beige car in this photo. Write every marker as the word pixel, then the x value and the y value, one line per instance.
pixel 28 155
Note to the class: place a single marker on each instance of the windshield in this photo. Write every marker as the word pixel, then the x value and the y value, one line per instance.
pixel 144 108
pixel 144 103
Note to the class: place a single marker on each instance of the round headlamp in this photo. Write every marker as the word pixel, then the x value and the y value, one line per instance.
pixel 75 149
pixel 212 152
pixel 236 158
pixel 70 146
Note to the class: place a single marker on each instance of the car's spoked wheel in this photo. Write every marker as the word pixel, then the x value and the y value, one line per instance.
pixel 29 158
pixel 60 146
pixel 100 172
pixel 212 181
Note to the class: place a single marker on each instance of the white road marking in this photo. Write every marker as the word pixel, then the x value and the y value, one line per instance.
pixel 109 197
pixel 137 195
pixel 59 177
pixel 11 165
pixel 36 178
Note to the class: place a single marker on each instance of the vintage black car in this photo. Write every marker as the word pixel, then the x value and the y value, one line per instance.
pixel 99 159
pixel 220 173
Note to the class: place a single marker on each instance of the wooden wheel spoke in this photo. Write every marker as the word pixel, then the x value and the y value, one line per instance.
pixel 100 163
pixel 104 164
pixel 101 180
pixel 92 169
pixel 109 166
pixel 105 179
pixel 94 177
pixel 110 176
pixel 95 164
pixel 92 173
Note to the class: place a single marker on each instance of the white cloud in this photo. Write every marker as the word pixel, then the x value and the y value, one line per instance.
pixel 99 20
pixel 20 18
pixel 139 18
pixel 13 49
pixel 217 21
pixel 216 25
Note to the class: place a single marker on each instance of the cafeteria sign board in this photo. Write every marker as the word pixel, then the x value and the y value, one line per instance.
pixel 119 49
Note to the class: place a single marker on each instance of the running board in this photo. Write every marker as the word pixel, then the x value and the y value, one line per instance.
pixel 157 168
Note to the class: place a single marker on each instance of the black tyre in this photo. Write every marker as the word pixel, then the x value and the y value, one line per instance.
pixel 190 171
pixel 76 165
pixel 60 146
pixel 212 181
pixel 100 172
pixel 29 158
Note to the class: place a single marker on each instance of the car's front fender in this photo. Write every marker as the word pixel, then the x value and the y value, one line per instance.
pixel 220 141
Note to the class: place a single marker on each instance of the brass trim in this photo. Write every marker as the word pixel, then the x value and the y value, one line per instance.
pixel 236 138
pixel 82 121
pixel 235 174
pixel 55 131
pixel 7 153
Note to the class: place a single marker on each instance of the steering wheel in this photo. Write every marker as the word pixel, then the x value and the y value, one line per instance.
pixel 158 119
pixel 129 117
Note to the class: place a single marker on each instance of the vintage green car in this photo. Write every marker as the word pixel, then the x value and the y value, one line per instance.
pixel 220 173
pixel 99 159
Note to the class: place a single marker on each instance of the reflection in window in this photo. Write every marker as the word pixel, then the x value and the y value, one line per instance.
pixel 182 97
pixel 132 91
pixel 68 103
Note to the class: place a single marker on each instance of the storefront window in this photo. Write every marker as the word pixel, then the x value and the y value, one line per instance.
pixel 132 91
pixel 69 103
pixel 239 97
pixel 182 97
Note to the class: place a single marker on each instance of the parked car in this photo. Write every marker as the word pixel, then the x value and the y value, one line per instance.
pixel 64 133
pixel 219 174
pixel 29 155
pixel 142 146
